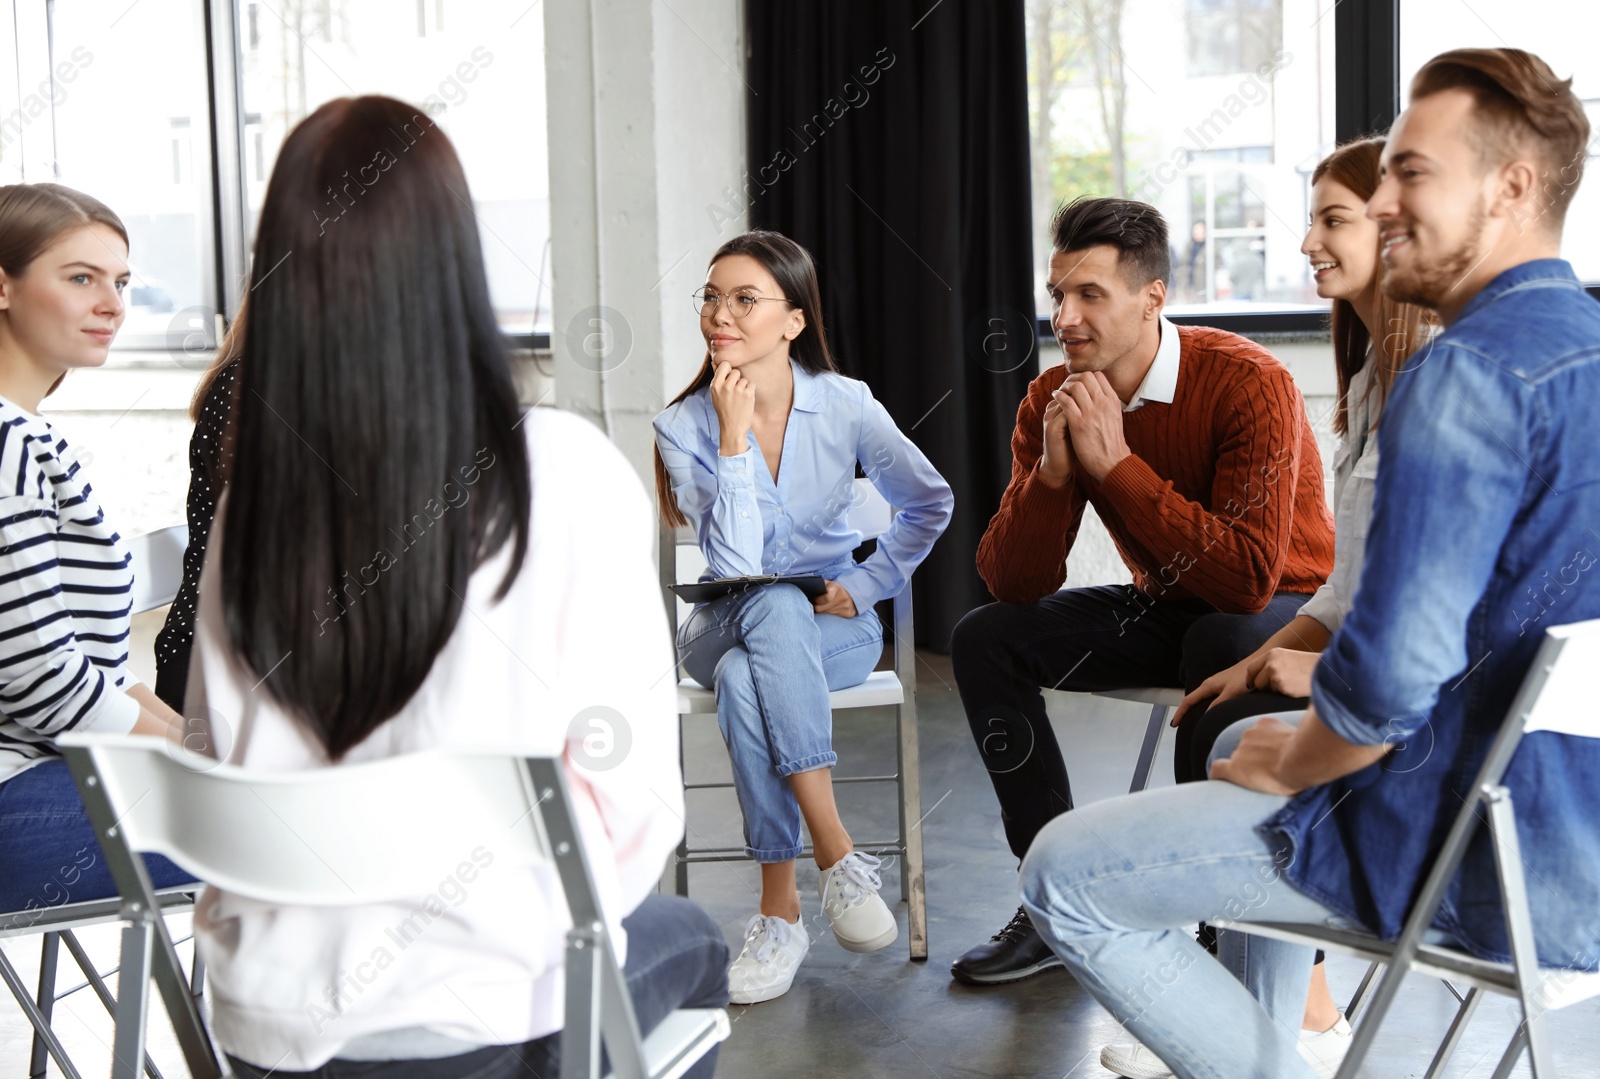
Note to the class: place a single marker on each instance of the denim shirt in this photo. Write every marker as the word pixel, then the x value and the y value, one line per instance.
pixel 746 524
pixel 1484 534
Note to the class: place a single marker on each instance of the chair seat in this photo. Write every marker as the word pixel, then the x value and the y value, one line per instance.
pixel 681 1039
pixel 1152 695
pixel 1556 989
pixel 881 687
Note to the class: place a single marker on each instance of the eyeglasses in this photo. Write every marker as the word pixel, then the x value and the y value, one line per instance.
pixel 740 303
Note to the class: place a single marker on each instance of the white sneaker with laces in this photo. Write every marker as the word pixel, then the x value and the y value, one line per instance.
pixel 1326 1051
pixel 1131 1059
pixel 773 949
pixel 849 891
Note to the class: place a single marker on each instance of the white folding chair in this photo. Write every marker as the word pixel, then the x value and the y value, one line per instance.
pixel 870 515
pixel 362 834
pixel 1557 695
pixel 157 560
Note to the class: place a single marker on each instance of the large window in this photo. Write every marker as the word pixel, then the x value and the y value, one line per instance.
pixel 1214 111
pixel 472 65
pixel 1227 37
pixel 134 131
pixel 1564 36
pixel 115 100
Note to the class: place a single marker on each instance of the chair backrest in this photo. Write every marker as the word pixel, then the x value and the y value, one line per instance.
pixel 157 566
pixel 1560 686
pixel 364 833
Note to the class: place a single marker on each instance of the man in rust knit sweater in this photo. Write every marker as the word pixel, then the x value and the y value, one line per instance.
pixel 1194 448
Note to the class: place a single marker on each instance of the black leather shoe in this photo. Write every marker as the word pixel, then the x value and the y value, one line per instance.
pixel 1014 953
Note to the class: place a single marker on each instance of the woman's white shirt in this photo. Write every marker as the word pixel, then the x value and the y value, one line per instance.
pixel 581 634
pixel 1355 474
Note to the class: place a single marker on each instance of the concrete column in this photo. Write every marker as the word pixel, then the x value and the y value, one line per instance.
pixel 646 130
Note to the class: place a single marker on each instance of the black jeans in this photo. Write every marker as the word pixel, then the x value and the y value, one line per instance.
pixel 677 958
pixel 1202 726
pixel 1111 637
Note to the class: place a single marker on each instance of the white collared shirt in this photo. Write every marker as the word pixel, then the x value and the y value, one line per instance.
pixel 1161 381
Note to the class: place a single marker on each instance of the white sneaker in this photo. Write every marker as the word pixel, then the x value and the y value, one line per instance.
pixel 1130 1058
pixel 773 949
pixel 849 891
pixel 1326 1051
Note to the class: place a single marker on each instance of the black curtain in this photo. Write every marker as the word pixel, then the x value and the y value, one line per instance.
pixel 891 139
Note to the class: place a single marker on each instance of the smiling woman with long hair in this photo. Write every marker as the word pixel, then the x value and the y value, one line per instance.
pixel 406 559
pixel 66 580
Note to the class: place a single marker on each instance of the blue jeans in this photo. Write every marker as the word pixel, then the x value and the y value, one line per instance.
pixel 677 958
pixel 1111 887
pixel 48 852
pixel 772 661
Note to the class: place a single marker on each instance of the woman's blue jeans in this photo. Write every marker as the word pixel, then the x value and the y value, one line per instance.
pixel 1112 886
pixel 772 661
pixel 48 852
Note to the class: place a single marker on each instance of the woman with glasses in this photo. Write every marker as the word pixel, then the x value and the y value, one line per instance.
pixel 759 454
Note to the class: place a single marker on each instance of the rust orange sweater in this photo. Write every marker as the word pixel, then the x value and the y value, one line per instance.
pixel 1221 498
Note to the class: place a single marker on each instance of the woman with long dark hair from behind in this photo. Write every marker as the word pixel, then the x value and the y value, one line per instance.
pixel 1373 337
pixel 405 559
pixel 759 454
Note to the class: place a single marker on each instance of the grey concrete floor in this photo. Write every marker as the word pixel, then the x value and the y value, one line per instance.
pixel 881 1015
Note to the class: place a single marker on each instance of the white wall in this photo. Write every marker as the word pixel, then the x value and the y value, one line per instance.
pixel 646 130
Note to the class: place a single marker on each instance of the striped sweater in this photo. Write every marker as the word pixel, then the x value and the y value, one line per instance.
pixel 66 592
pixel 1221 499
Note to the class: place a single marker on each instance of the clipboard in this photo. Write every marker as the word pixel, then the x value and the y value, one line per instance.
pixel 706 591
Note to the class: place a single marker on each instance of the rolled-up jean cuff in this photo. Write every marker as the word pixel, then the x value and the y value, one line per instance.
pixel 767 857
pixel 809 764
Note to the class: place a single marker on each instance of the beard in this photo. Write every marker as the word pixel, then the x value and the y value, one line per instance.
pixel 1429 283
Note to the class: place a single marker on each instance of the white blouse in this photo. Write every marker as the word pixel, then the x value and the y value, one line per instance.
pixel 582 632
pixel 1355 473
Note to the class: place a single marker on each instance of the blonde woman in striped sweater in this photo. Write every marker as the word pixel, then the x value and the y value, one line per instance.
pixel 65 578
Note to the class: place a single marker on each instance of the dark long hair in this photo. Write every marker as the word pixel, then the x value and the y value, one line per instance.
pixel 796 274
pixel 377 461
pixel 1355 165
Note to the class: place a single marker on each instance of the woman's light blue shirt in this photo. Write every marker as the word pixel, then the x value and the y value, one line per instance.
pixel 747 524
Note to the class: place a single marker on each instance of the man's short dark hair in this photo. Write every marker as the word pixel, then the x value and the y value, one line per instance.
pixel 1136 229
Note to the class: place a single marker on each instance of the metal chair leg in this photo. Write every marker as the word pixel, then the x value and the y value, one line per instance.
pixel 133 1000
pixel 1508 1062
pixel 49 952
pixel 57 1051
pixel 913 880
pixel 1147 750
pixel 98 984
pixel 1358 999
pixel 197 971
pixel 1452 1037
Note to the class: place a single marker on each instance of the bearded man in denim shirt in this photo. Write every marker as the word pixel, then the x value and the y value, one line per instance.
pixel 1484 534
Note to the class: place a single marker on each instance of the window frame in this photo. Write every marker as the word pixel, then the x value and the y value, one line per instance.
pixel 1366 99
pixel 219 149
